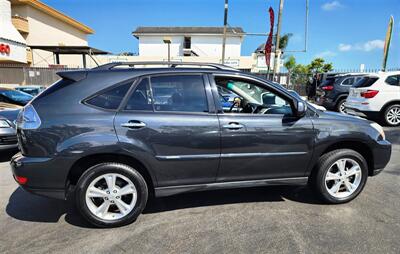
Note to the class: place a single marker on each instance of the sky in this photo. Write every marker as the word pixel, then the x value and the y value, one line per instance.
pixel 345 32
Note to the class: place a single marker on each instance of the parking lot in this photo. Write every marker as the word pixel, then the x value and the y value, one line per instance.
pixel 268 219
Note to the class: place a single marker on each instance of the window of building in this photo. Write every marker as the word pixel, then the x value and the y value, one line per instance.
pixel 179 93
pixel 187 43
pixel 110 99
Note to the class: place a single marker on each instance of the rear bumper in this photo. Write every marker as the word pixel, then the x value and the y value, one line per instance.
pixel 374 115
pixel 43 178
pixel 382 151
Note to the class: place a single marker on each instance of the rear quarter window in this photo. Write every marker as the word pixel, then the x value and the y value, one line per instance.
pixel 393 80
pixel 109 99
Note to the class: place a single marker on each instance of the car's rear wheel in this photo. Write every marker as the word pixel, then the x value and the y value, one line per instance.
pixel 341 175
pixel 111 194
pixel 340 106
pixel 392 115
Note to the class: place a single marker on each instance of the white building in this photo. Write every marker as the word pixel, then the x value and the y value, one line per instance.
pixel 189 41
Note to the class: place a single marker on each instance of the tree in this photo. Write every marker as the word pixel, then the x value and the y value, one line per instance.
pixel 284 41
pixel 327 67
pixel 318 65
pixel 290 64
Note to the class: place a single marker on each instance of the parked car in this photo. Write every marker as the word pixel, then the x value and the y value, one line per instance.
pixel 104 136
pixel 377 96
pixel 32 90
pixel 332 93
pixel 12 96
pixel 8 137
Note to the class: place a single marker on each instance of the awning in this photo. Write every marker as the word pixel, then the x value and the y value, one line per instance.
pixel 70 50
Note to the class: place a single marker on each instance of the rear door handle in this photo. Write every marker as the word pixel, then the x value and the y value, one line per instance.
pixel 233 126
pixel 134 125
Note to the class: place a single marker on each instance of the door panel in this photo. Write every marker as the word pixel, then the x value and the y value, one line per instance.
pixel 268 146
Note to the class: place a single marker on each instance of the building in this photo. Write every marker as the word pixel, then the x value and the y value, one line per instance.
pixel 51 38
pixel 189 41
pixel 12 44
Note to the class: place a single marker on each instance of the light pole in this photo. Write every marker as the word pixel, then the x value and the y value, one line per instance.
pixel 167 40
pixel 278 32
pixel 224 36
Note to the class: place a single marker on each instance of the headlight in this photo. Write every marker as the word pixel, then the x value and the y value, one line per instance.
pixel 4 124
pixel 379 129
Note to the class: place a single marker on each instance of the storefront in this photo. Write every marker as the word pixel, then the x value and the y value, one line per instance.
pixel 12 44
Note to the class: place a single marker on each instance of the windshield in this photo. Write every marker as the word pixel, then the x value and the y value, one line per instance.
pixel 16 96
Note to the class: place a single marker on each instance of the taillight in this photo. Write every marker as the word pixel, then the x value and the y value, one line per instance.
pixel 369 94
pixel 28 119
pixel 21 180
pixel 327 88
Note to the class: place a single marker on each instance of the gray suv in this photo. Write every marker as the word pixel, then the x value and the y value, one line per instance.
pixel 114 136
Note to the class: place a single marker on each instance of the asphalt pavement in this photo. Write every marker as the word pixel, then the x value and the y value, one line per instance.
pixel 254 220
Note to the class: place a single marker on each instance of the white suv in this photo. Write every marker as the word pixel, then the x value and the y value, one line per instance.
pixel 376 96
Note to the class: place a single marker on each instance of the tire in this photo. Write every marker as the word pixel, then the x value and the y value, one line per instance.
pixel 391 115
pixel 119 208
pixel 324 186
pixel 339 106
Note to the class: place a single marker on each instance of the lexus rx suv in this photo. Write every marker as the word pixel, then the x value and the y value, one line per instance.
pixel 114 136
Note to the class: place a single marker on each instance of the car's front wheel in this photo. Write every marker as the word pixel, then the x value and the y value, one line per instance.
pixel 341 175
pixel 111 194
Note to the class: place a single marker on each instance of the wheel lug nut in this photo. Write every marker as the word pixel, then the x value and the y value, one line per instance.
pixel 106 198
pixel 117 197
pixel 115 191
pixel 107 192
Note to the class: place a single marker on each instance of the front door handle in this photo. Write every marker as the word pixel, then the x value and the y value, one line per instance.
pixel 134 125
pixel 233 126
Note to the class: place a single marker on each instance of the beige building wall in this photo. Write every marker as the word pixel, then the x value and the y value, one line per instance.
pixel 44 29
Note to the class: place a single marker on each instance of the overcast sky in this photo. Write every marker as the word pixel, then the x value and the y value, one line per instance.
pixel 345 32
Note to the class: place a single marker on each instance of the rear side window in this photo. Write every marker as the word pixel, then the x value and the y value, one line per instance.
pixel 140 99
pixel 348 82
pixel 365 82
pixel 179 93
pixel 393 80
pixel 111 98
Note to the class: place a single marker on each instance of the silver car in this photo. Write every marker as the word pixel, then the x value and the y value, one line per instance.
pixel 8 138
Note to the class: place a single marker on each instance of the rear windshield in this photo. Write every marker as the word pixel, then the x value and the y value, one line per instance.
pixel 56 86
pixel 365 82
pixel 328 82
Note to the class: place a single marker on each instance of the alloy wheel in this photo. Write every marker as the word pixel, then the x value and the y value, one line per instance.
pixel 343 178
pixel 393 116
pixel 111 196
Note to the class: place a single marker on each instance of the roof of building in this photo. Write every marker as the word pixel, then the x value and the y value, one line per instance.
pixel 54 13
pixel 141 30
pixel 70 50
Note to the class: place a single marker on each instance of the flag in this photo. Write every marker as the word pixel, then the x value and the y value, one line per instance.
pixel 387 43
pixel 268 44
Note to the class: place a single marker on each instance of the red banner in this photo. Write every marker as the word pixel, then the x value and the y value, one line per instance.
pixel 268 44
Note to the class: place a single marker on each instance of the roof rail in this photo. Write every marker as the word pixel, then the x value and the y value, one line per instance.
pixel 110 66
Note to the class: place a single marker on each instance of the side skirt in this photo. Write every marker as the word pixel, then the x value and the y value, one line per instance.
pixel 172 190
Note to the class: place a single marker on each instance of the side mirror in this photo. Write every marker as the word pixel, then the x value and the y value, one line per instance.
pixel 301 109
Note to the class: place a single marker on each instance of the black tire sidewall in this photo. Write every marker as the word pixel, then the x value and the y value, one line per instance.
pixel 341 101
pixel 326 161
pixel 104 168
pixel 385 115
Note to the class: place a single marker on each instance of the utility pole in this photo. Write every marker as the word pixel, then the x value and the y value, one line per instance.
pixel 225 25
pixel 278 32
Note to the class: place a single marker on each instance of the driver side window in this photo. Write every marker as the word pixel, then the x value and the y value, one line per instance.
pixel 242 97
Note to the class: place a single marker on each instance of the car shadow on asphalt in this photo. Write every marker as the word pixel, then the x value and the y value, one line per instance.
pixel 27 207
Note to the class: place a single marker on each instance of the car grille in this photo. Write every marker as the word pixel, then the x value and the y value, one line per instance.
pixel 8 140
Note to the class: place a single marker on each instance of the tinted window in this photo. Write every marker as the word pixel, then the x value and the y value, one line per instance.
pixel 111 98
pixel 348 82
pixel 393 80
pixel 179 93
pixel 366 82
pixel 141 97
